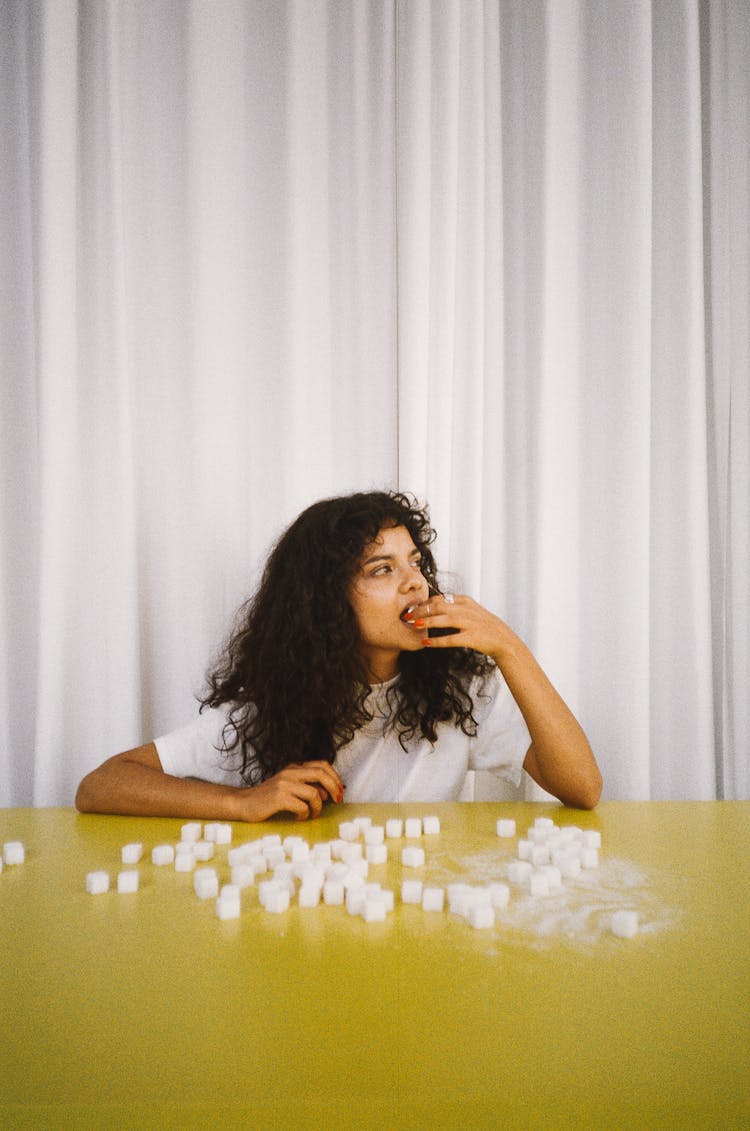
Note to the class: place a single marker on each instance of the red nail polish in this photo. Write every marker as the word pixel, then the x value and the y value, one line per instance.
pixel 418 623
pixel 427 643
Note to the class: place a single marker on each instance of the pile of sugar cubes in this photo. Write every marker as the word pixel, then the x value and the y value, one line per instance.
pixel 291 870
pixel 549 855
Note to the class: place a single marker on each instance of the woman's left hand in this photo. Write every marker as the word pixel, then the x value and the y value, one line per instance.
pixel 474 626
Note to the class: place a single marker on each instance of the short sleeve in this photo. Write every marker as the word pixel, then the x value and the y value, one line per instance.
pixel 502 738
pixel 198 751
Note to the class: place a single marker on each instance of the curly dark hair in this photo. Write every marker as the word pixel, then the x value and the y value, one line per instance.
pixel 291 672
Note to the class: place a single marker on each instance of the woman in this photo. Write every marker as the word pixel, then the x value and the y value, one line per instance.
pixel 334 679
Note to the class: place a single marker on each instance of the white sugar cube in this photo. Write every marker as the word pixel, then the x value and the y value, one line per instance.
pixel 389 899
pixel 375 834
pixel 481 915
pixel 184 861
pixel 352 852
pixel 203 850
pixel 589 858
pixel 433 899
pixel 131 853
pixel 97 883
pixel 411 891
pixel 243 875
pixel 355 900
pixel 300 853
pixel 162 854
pixel 274 856
pixel 394 828
pixel 412 856
pixel 270 840
pixel 373 910
pixel 460 897
pixel 592 838
pixel 554 876
pixel 431 825
pixel 538 884
pixel 413 827
pixel 524 848
pixel 333 893
pixel 277 900
pixel 506 827
pixel 14 852
pixel 519 871
pixel 309 895
pixel 206 883
pixel 499 896
pixel 336 847
pixel 377 853
pixel 348 831
pixel 321 854
pixel 569 865
pixel 539 855
pixel 219 832
pixel 228 907
pixel 361 824
pixel 191 832
pixel 127 881
pixel 544 823
pixel 625 924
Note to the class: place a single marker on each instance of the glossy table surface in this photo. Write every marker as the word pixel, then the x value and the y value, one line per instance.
pixel 146 1010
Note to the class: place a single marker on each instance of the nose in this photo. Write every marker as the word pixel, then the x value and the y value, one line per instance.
pixel 412 581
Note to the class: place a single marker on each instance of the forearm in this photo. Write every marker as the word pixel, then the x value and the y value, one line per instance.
pixel 130 788
pixel 560 759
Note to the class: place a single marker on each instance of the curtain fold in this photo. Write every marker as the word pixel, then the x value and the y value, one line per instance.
pixel 493 252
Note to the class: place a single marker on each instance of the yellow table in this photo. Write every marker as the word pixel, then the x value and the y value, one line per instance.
pixel 146 1010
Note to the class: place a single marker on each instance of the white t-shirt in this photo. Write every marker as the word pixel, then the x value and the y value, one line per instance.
pixel 374 766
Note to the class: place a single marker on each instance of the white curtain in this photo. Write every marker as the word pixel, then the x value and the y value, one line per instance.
pixel 496 254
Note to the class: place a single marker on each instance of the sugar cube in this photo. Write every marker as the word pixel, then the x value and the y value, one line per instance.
pixel 203 850
pixel 499 896
pixel 333 893
pixel 127 880
pixel 394 828
pixel 590 858
pixel 277 900
pixel 411 891
pixel 519 871
pixel 538 884
pixel 191 832
pixel 413 827
pixel 361 824
pixel 592 838
pixel 430 825
pixel 131 853
pixel 14 852
pixel 506 827
pixel 375 834
pixel 228 907
pixel 412 856
pixel 243 875
pixel 377 853
pixel 348 831
pixel 355 900
pixel 97 883
pixel 309 895
pixel 373 910
pixel 524 848
pixel 433 899
pixel 625 924
pixel 162 854
pixel 206 883
pixel 184 861
pixel 481 915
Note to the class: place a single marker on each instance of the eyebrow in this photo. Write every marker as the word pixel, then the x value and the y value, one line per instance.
pixel 415 553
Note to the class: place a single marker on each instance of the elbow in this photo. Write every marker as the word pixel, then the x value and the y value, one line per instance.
pixel 590 792
pixel 84 799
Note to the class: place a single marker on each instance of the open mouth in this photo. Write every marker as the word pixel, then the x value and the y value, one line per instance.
pixel 407 612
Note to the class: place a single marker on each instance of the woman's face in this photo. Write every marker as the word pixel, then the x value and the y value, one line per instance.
pixel 388 580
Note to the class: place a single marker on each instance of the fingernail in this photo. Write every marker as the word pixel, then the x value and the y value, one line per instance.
pixel 418 623
pixel 427 643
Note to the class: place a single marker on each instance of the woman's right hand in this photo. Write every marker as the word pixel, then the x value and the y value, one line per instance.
pixel 299 789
